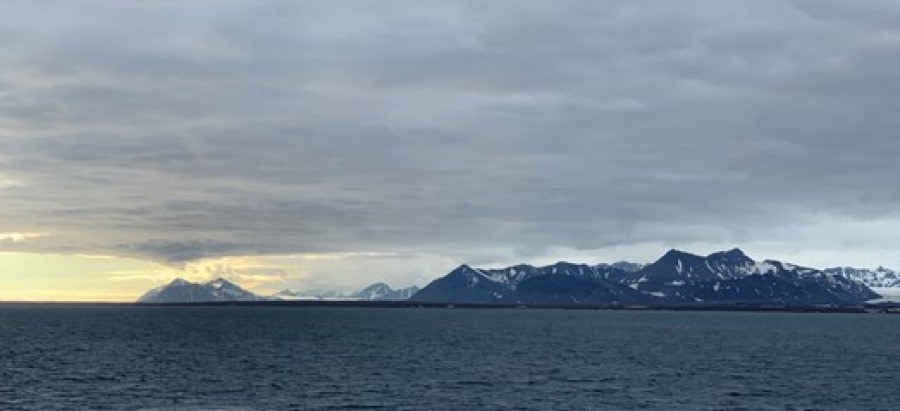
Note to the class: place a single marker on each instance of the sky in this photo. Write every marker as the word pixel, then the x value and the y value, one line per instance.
pixel 331 144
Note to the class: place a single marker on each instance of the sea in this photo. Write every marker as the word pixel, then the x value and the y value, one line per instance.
pixel 121 357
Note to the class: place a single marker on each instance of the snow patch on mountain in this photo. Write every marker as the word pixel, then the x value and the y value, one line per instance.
pixel 880 277
pixel 376 292
pixel 315 294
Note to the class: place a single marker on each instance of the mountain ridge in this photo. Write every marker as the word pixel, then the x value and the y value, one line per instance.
pixel 180 290
pixel 677 277
pixel 378 291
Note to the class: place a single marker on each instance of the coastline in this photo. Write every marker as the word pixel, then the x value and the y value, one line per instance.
pixel 867 308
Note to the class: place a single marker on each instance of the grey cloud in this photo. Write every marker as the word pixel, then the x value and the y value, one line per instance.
pixel 175 132
pixel 178 252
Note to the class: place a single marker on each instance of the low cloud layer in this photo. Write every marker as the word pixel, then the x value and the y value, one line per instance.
pixel 175 131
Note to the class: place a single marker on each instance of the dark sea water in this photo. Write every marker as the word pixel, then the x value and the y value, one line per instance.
pixel 261 358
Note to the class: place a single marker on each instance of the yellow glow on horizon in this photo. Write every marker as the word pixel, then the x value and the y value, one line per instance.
pixel 72 278
pixel 54 277
pixel 78 277
pixel 249 272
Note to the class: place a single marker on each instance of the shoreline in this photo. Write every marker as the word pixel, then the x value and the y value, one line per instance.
pixel 880 308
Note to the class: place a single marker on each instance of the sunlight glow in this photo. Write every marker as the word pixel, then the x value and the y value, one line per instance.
pixel 17 237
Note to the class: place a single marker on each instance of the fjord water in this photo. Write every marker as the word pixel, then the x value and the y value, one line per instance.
pixel 134 357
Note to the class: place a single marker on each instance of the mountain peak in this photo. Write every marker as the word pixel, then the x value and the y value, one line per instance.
pixel 219 283
pixel 732 254
pixel 183 291
pixel 383 292
pixel 179 281
pixel 463 268
pixel 378 286
pixel 675 251
pixel 675 254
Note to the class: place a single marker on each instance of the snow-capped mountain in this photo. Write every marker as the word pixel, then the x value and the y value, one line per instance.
pixel 732 276
pixel 677 277
pixel 874 278
pixel 287 294
pixel 383 292
pixel 560 282
pixel 375 292
pixel 183 291
pixel 625 266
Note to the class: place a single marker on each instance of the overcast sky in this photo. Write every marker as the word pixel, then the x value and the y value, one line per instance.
pixel 332 143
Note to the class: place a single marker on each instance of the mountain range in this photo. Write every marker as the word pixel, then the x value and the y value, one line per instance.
pixel 375 292
pixel 222 290
pixel 677 277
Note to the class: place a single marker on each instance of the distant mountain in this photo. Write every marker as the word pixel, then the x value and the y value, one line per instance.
pixel 375 292
pixel 287 294
pixel 625 266
pixel 183 291
pixel 733 277
pixel 878 278
pixel 677 265
pixel 676 278
pixel 462 285
pixel 526 283
pixel 383 292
